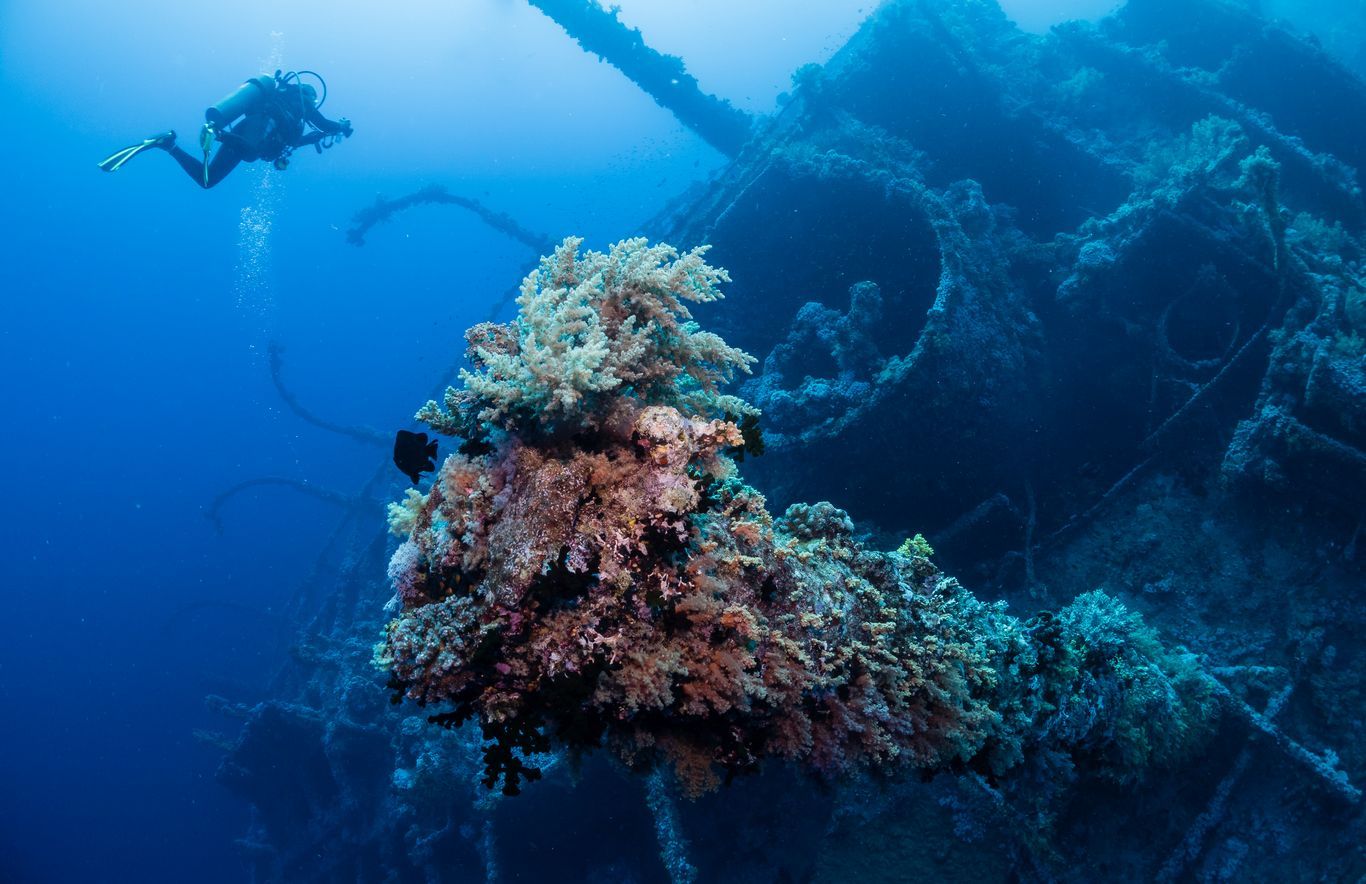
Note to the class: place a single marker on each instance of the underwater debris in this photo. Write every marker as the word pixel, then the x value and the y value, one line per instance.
pixel 360 434
pixel 214 511
pixel 1324 766
pixel 633 592
pixel 383 209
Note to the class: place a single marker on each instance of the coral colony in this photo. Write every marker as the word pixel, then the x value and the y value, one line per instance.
pixel 590 570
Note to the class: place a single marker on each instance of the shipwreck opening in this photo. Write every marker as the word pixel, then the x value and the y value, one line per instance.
pixel 1201 326
pixel 796 236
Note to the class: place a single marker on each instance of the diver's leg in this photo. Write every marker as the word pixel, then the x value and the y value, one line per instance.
pixel 223 162
pixel 193 167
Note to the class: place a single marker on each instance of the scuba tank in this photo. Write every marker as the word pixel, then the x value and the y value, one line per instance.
pixel 277 109
pixel 241 100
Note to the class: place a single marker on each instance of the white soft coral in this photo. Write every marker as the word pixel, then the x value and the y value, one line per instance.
pixel 593 326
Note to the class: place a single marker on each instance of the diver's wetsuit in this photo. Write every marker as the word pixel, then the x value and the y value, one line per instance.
pixel 223 162
pixel 262 134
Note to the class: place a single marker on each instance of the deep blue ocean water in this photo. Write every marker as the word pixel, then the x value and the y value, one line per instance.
pixel 138 310
pixel 135 381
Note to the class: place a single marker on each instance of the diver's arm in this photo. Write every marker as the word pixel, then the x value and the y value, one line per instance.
pixel 326 126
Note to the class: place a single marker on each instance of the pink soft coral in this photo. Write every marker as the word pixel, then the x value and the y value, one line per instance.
pixel 595 571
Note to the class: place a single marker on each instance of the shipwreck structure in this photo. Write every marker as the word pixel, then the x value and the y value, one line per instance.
pixel 1085 309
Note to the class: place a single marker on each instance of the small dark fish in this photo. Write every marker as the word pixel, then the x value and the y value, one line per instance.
pixel 414 455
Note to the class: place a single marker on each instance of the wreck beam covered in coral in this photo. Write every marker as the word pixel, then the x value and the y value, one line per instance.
pixel 664 77
pixel 591 570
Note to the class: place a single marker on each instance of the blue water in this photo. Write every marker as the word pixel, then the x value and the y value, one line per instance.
pixel 134 381
pixel 138 309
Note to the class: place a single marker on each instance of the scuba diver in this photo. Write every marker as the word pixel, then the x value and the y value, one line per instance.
pixel 266 118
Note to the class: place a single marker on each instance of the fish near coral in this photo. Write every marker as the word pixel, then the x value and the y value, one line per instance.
pixel 413 454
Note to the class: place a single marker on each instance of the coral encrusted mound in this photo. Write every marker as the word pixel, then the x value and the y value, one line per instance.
pixel 590 570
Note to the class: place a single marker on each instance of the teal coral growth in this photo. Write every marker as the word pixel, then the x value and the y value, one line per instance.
pixel 1106 658
pixel 595 572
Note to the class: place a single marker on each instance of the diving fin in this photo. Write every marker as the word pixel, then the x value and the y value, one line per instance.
pixel 206 138
pixel 115 161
